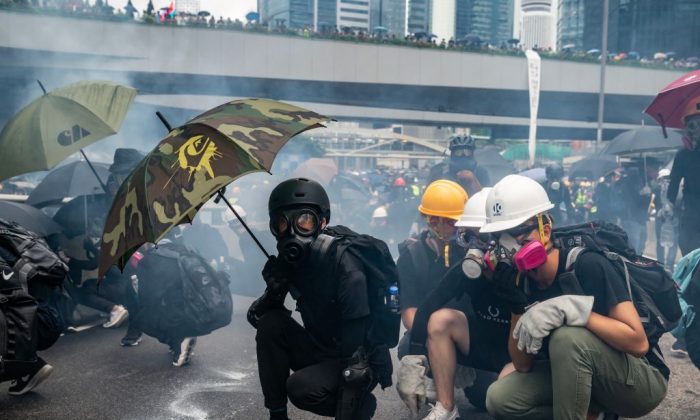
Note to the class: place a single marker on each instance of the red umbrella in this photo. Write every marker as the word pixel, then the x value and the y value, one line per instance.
pixel 670 103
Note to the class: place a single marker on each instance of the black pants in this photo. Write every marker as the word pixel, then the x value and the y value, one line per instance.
pixel 284 345
pixel 88 295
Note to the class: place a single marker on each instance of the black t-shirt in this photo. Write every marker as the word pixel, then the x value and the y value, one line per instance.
pixel 489 318
pixel 599 278
pixel 421 269
pixel 324 303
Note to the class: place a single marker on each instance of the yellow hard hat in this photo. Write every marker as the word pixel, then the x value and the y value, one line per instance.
pixel 443 198
pixel 692 108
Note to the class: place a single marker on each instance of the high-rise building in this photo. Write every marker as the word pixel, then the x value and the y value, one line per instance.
pixel 643 26
pixel 537 29
pixel 353 14
pixel 490 20
pixel 295 14
pixel 418 16
pixel 187 6
pixel 390 14
pixel 570 18
pixel 327 15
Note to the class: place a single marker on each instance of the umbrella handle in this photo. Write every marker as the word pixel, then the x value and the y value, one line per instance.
pixel 240 219
pixel 663 125
pixel 92 168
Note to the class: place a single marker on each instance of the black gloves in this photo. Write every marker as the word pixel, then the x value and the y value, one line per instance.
pixel 504 279
pixel 275 292
pixel 357 380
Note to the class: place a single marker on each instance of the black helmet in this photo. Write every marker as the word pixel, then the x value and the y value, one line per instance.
pixel 554 171
pixel 300 191
pixel 462 142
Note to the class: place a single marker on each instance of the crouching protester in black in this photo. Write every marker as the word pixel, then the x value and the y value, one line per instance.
pixel 454 339
pixel 575 356
pixel 29 319
pixel 337 355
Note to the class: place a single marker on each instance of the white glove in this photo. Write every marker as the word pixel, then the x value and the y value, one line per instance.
pixel 411 381
pixel 540 320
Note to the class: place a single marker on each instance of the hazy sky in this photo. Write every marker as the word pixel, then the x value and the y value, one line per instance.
pixel 226 8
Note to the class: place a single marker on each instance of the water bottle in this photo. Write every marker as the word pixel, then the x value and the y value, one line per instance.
pixel 667 236
pixel 392 300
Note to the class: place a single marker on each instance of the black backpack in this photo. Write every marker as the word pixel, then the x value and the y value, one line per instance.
pixel 18 320
pixel 208 304
pixel 30 255
pixel 651 288
pixel 380 271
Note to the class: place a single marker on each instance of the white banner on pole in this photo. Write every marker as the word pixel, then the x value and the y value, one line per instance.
pixel 533 77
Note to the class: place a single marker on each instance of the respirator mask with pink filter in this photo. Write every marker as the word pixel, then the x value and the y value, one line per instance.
pixel 525 257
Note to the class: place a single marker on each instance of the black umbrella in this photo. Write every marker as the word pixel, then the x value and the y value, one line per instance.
pixel 643 140
pixel 593 167
pixel 490 159
pixel 28 217
pixel 69 180
pixel 83 212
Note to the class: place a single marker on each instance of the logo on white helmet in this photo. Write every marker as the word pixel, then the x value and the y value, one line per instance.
pixel 497 209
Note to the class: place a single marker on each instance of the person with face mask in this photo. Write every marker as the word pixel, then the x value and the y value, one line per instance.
pixel 575 355
pixel 559 195
pixel 333 353
pixel 685 168
pixel 453 339
pixel 423 260
pixel 461 166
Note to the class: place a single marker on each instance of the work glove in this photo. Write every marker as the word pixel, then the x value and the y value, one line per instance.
pixel 269 300
pixel 506 289
pixel 411 381
pixel 543 318
pixel 274 274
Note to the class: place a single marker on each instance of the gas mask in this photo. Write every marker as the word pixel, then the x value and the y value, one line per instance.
pixel 476 245
pixel 525 257
pixel 295 231
pixel 555 185
pixel 467 239
pixel 462 159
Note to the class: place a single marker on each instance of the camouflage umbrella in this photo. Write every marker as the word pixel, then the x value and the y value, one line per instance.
pixel 193 162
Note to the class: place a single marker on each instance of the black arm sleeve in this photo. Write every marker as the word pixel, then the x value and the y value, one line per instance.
pixel 676 176
pixel 352 336
pixel 452 286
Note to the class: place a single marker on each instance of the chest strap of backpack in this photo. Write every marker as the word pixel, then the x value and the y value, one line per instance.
pixel 22 267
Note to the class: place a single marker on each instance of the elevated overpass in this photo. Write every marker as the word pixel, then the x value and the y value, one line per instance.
pixel 195 68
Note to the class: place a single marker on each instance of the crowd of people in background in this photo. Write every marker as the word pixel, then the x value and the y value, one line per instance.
pixel 101 9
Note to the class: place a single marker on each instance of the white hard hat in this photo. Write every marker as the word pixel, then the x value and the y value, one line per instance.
pixel 229 217
pixel 475 210
pixel 379 212
pixel 512 201
pixel 665 172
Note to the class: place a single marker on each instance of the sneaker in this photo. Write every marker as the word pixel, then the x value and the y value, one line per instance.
pixel 183 354
pixel 118 315
pixel 132 338
pixel 438 412
pixel 679 349
pixel 30 381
